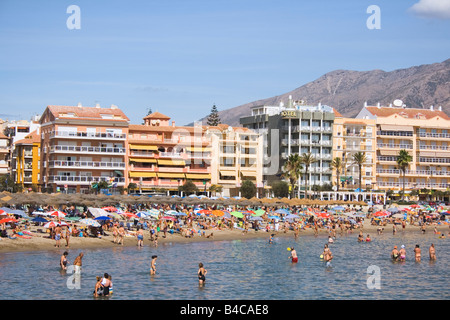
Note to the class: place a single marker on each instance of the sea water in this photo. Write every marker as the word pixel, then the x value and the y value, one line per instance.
pixel 249 269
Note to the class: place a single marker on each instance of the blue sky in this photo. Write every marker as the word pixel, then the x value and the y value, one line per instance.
pixel 180 57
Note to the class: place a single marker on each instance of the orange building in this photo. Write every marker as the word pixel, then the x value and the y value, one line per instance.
pixel 82 146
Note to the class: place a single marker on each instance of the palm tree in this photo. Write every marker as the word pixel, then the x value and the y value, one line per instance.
pixel 307 159
pixel 292 170
pixel 359 159
pixel 338 165
pixel 403 161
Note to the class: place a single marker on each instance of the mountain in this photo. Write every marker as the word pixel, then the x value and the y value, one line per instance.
pixel 347 90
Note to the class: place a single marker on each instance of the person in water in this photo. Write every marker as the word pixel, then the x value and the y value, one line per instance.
pixel 327 254
pixel 271 238
pixel 432 252
pixel 395 254
pixel 368 238
pixel 402 253
pixel 63 260
pixel 293 255
pixel 153 265
pixel 201 274
pixel 78 262
pixel 417 253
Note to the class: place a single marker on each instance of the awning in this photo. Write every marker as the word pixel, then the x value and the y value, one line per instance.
pixel 228 173
pixel 198 149
pixel 197 176
pixel 171 175
pixel 143 147
pixel 171 162
pixel 134 174
pixel 389 153
pixel 119 173
pixel 386 127
pixel 143 160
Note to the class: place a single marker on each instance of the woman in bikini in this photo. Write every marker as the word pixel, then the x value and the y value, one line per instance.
pixel 63 261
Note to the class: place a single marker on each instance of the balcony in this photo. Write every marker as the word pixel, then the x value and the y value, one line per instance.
pixel 87 150
pixel 87 135
pixel 433 147
pixel 413 185
pixel 434 135
pixel 414 172
pixel 434 160
pixel 394 146
pixel 386 158
pixel 86 164
pixel 78 180
pixel 395 133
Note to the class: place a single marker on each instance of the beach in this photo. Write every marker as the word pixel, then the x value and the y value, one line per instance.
pixel 41 241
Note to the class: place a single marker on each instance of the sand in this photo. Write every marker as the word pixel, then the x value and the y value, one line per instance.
pixel 42 242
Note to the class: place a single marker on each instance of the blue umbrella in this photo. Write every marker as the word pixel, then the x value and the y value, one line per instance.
pixel 339 208
pixel 102 218
pixel 256 218
pixel 282 211
pixel 39 219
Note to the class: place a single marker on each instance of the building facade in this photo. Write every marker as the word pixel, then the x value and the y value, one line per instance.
pixel 82 146
pixel 296 128
pixel 423 133
pixel 26 166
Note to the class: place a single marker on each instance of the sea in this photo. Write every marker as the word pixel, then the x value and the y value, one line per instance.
pixel 248 269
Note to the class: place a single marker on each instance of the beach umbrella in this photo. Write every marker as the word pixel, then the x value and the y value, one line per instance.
pixel 248 212
pixel 203 211
pixel 39 219
pixel 102 218
pixel 259 213
pixel 274 217
pixel 398 216
pixel 322 215
pixel 237 214
pixel 339 208
pixel 291 216
pixel 57 214
pixel 218 213
pixel 169 218
pixel 90 222
pixel 7 220
pixel 282 211
pixel 255 218
pixel 171 212
pixel 445 213
pixel 110 208
pixel 128 215
pixel 142 214
pixel 393 210
pixel 50 224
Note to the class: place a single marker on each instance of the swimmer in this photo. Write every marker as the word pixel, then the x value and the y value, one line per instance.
pixel 153 265
pixel 432 252
pixel 395 254
pixel 271 238
pixel 293 255
pixel 201 273
pixel 327 254
pixel 78 263
pixel 402 253
pixel 417 253
pixel 368 238
pixel 63 261
pixel 330 239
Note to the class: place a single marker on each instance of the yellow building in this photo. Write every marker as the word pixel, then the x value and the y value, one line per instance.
pixel 27 161
pixel 424 133
pixel 349 137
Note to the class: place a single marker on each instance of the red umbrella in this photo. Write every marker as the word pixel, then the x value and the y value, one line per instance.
pixel 381 214
pixel 205 211
pixel 169 218
pixel 6 220
pixel 2 212
pixel 322 215
pixel 58 214
pixel 110 209
pixel 414 206
pixel 129 215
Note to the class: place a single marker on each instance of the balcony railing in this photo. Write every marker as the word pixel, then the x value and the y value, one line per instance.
pixel 432 147
pixel 86 164
pixel 396 146
pixel 434 135
pixel 88 135
pixel 395 133
pixel 86 149
pixel 434 160
pixel 84 179
pixel 414 172
pixel 411 185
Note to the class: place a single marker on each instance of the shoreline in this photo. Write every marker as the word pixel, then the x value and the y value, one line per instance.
pixel 41 242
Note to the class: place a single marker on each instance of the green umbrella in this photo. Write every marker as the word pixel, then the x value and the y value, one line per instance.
pixel 259 212
pixel 237 214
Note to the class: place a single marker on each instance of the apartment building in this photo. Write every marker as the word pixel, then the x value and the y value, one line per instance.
pixel 351 136
pixel 26 157
pixel 294 128
pixel 82 146
pixel 4 154
pixel 424 133
pixel 236 157
pixel 163 156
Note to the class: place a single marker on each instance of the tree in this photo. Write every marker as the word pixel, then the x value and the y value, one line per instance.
pixel 248 189
pixel 188 187
pixel 403 161
pixel 338 165
pixel 280 189
pixel 214 188
pixel 131 187
pixel 213 118
pixel 292 170
pixel 359 159
pixel 307 159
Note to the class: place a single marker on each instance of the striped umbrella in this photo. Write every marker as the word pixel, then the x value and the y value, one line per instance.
pixel 90 222
pixel 58 214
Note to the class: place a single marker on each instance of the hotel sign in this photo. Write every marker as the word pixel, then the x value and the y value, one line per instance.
pixel 289 114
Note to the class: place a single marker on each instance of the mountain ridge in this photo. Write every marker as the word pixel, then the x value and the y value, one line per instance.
pixel 347 90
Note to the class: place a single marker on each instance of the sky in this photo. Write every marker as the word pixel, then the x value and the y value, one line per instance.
pixel 181 57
